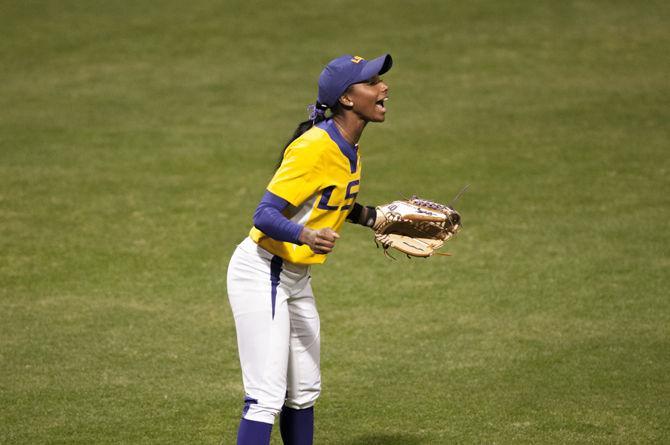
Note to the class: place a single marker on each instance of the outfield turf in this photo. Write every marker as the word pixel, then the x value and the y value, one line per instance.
pixel 136 139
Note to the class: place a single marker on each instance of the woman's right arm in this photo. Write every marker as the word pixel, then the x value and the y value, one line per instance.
pixel 268 218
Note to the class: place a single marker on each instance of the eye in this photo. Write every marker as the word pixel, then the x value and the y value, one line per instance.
pixel 375 80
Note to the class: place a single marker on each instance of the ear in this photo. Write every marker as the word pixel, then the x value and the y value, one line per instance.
pixel 346 101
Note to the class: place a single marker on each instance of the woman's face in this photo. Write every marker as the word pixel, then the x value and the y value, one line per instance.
pixel 368 99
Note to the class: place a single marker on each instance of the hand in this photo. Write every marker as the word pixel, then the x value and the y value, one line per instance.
pixel 320 241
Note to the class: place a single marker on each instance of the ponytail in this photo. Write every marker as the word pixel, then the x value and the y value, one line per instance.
pixel 317 113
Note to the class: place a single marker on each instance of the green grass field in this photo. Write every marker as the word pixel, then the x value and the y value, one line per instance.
pixel 136 139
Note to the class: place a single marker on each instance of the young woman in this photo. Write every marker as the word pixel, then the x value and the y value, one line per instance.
pixel 296 224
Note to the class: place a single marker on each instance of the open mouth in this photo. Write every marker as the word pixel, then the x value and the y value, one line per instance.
pixel 381 104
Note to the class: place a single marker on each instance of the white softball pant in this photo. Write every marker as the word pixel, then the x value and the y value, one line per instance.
pixel 277 332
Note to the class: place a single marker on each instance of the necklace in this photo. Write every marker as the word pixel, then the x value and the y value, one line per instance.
pixel 344 133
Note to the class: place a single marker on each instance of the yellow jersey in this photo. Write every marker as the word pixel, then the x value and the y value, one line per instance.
pixel 320 177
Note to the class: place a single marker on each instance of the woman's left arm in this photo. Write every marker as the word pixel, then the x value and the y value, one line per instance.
pixel 365 216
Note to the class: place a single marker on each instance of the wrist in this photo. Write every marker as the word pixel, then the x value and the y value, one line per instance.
pixel 363 215
pixel 371 217
pixel 305 235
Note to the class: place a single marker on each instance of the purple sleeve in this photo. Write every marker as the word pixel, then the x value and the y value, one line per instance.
pixel 269 219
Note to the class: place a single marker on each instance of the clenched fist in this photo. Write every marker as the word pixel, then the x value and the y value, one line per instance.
pixel 320 241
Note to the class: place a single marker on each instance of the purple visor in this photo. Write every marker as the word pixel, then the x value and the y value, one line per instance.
pixel 347 70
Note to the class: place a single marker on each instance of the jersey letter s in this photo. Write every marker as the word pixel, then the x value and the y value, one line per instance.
pixel 350 196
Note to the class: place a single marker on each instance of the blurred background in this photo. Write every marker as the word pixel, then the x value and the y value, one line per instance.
pixel 136 139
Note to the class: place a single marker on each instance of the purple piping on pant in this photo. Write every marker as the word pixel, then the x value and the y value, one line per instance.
pixel 275 271
pixel 248 401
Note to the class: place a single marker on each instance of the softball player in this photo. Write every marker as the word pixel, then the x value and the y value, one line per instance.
pixel 296 224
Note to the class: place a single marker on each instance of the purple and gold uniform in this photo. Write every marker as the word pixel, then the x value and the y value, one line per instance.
pixel 319 177
pixel 269 281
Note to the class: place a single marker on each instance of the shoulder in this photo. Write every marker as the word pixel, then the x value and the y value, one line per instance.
pixel 312 143
pixel 315 136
